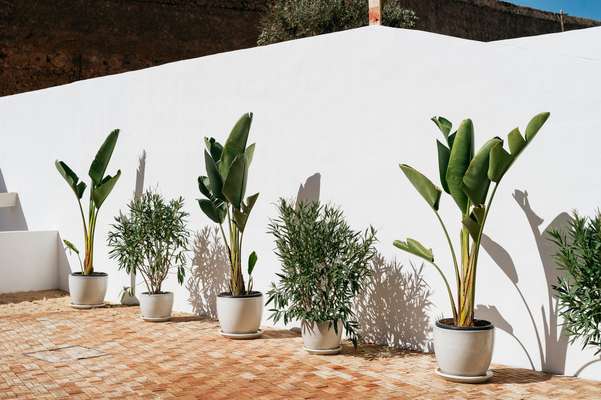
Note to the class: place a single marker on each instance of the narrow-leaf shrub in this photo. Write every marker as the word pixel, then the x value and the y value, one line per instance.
pixel 294 19
pixel 324 265
pixel 152 239
pixel 579 291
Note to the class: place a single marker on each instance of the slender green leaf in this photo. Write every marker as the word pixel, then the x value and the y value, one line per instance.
pixel 71 178
pixel 235 183
pixel 459 160
pixel 214 213
pixel 535 124
pixel 500 160
pixel 252 261
pixel 71 246
pixel 250 203
pixel 451 139
pixel 214 147
pixel 215 180
pixel 444 125
pixel 104 188
pixel 516 142
pixel 235 144
pixel 101 161
pixel 249 152
pixel 416 248
pixel 204 186
pixel 443 163
pixel 430 192
pixel 475 180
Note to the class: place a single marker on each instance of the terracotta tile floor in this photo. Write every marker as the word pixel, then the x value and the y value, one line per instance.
pixel 187 359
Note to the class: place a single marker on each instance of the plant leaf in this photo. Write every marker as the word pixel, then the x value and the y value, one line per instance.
pixel 71 246
pixel 475 180
pixel 444 125
pixel 103 156
pixel 104 188
pixel 443 163
pixel 535 124
pixel 215 180
pixel 416 248
pixel 214 147
pixel 473 221
pixel 500 160
pixel 252 261
pixel 214 213
pixel 250 203
pixel 204 185
pixel 235 144
pixel 459 160
pixel 430 192
pixel 516 142
pixel 71 178
pixel 235 183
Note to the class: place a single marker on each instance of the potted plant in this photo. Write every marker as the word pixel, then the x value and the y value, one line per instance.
pixel 240 309
pixel 579 257
pixel 463 344
pixel 88 287
pixel 324 265
pixel 152 240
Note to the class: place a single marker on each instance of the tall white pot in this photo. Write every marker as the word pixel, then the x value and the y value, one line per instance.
pixel 240 316
pixel 87 291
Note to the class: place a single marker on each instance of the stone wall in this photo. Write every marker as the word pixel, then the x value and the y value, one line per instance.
pixel 51 42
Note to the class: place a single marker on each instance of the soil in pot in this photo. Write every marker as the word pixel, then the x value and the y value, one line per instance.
pixel 87 291
pixel 240 316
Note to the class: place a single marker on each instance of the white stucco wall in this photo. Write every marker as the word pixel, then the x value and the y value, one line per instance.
pixel 349 106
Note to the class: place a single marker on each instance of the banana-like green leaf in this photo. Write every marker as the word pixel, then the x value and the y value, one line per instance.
pixel 473 222
pixel 252 261
pixel 71 246
pixel 444 125
pixel 535 124
pixel 235 144
pixel 443 163
pixel 204 186
pixel 430 192
pixel 241 215
pixel 101 161
pixel 215 179
pixel 516 142
pixel 249 152
pixel 475 180
pixel 416 248
pixel 451 139
pixel 250 203
pixel 215 214
pixel 71 178
pixel 214 147
pixel 104 188
pixel 500 161
pixel 459 160
pixel 235 183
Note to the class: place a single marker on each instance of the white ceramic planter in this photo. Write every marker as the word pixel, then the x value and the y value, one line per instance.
pixel 321 338
pixel 156 307
pixel 240 316
pixel 87 291
pixel 464 354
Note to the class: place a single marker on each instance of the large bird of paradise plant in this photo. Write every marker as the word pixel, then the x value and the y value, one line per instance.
pixel 224 187
pixel 467 177
pixel 100 187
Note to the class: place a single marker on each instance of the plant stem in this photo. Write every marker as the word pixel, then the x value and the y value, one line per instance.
pixel 455 264
pixel 446 282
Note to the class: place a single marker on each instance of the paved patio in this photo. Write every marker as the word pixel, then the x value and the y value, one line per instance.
pixel 49 351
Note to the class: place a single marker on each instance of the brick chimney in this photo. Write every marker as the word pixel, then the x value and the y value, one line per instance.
pixel 375 12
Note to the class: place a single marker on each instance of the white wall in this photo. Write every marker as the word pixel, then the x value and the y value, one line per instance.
pixel 349 106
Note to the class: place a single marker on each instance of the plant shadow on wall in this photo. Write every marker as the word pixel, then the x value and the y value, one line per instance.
pixel 209 274
pixel 393 308
pixel 552 346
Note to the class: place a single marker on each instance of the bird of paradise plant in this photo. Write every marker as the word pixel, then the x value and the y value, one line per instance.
pixel 467 177
pixel 100 187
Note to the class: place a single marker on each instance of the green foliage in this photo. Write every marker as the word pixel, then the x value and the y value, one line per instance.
pixel 152 239
pixel 293 19
pixel 224 188
pixel 467 177
pixel 324 265
pixel 579 291
pixel 101 186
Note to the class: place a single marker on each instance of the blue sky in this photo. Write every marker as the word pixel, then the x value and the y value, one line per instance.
pixel 578 8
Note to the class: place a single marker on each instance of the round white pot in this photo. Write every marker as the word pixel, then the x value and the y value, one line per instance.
pixel 87 291
pixel 321 338
pixel 464 352
pixel 240 316
pixel 156 307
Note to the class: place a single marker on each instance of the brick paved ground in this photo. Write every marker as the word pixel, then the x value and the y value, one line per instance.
pixel 187 359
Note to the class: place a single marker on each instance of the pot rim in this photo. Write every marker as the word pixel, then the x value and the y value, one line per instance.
pixel 251 295
pixel 93 275
pixel 483 325
pixel 157 294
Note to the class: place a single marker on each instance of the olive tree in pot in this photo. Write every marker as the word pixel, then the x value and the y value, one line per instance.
pixel 88 287
pixel 464 344
pixel 224 187
pixel 324 265
pixel 151 240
